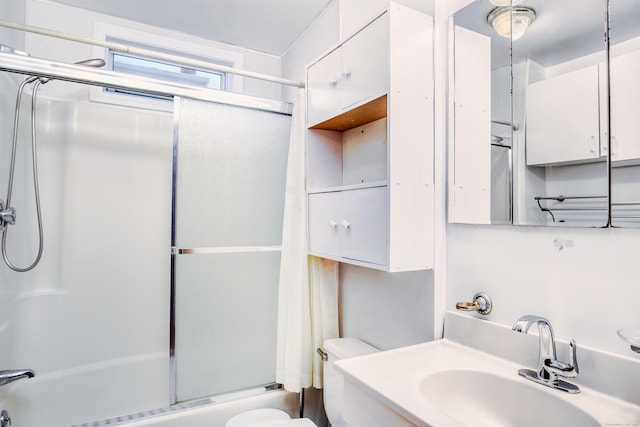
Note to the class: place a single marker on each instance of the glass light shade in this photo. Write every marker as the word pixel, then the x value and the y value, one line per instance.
pixel 505 2
pixel 521 18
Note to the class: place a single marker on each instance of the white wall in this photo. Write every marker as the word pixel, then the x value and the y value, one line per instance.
pixel 316 40
pixel 386 310
pixel 79 22
pixel 588 289
pixel 12 11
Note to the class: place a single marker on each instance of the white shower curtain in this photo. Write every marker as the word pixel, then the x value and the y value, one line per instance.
pixel 308 290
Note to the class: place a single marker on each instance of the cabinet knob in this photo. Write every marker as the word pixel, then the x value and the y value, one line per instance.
pixel 346 224
pixel 333 224
pixel 333 82
pixel 346 73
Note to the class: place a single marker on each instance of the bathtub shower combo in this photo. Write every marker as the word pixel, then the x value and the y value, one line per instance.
pixel 156 285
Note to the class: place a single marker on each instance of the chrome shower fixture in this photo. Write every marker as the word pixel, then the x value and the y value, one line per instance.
pixel 7 216
pixel 7 212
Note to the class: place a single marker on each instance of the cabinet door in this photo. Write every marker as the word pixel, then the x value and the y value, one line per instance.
pixel 323 96
pixel 364 225
pixel 365 56
pixel 324 218
pixel 563 118
pixel 625 101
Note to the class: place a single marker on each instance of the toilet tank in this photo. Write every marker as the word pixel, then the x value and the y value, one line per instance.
pixel 339 349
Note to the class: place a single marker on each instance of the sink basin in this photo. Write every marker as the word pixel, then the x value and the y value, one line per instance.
pixel 470 378
pixel 477 398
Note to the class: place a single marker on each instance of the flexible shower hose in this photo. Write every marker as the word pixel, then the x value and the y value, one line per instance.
pixel 34 159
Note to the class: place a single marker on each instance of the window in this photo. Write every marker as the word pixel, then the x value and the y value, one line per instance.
pixel 174 72
pixel 132 64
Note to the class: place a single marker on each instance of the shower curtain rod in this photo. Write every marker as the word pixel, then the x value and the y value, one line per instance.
pixel 122 48
pixel 15 63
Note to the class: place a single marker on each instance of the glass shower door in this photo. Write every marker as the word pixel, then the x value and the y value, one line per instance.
pixel 229 200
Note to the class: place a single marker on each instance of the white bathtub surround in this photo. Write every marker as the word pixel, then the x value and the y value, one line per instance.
pixel 308 293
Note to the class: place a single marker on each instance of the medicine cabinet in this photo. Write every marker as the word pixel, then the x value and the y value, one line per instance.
pixel 541 120
pixel 370 145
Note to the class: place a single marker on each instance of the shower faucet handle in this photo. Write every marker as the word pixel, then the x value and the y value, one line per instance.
pixel 5 419
pixel 7 216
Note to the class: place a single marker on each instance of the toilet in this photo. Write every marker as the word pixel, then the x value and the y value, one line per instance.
pixel 336 349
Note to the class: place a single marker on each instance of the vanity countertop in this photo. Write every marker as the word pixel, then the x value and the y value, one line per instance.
pixel 394 377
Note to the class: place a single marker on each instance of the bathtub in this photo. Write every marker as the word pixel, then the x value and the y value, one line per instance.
pixel 205 412
pixel 93 395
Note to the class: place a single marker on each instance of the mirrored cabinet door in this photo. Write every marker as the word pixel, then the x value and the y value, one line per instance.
pixel 480 130
pixel 624 65
pixel 547 146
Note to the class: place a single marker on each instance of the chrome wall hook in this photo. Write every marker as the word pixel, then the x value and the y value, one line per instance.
pixel 481 303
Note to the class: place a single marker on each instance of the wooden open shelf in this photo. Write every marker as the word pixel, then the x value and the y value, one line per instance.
pixel 366 113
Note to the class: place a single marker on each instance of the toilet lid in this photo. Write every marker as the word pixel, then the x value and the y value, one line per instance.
pixel 249 418
pixel 297 422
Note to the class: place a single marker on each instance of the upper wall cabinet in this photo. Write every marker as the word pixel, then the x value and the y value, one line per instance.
pixel 370 145
pixel 625 106
pixel 346 76
pixel 566 130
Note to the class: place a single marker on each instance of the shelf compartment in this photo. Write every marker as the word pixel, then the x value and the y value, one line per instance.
pixel 366 113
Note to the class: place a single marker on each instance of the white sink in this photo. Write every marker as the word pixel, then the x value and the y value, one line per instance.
pixel 481 399
pixel 444 384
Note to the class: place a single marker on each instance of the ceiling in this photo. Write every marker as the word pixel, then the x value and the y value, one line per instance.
pixel 563 30
pixel 268 26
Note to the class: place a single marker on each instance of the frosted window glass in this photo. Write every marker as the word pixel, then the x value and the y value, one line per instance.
pixel 231 175
pixel 226 307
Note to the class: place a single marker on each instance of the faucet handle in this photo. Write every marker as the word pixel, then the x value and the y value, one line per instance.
pixel 564 369
pixel 573 359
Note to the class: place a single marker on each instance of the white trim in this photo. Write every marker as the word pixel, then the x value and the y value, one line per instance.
pixel 103 32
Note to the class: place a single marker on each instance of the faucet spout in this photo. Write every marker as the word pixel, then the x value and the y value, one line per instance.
pixel 549 367
pixel 9 376
pixel 547 353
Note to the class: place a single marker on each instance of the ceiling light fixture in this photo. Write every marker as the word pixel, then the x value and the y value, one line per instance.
pixel 521 18
pixel 505 2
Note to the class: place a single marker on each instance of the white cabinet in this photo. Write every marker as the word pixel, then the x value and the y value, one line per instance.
pixel 625 100
pixel 354 72
pixel 370 145
pixel 563 119
pixel 339 227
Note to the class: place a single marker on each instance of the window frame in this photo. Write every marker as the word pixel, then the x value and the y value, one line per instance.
pixel 176 44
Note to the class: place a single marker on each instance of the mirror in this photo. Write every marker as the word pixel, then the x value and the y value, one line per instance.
pixel 624 65
pixel 538 156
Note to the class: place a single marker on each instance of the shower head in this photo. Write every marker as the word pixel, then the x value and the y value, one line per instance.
pixel 92 62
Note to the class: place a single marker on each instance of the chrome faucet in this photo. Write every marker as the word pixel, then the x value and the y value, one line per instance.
pixel 549 367
pixel 9 376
